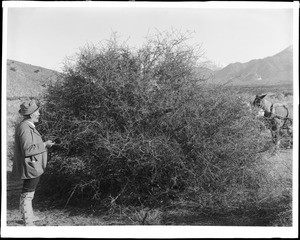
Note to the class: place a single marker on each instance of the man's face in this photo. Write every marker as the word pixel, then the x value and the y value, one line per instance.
pixel 35 116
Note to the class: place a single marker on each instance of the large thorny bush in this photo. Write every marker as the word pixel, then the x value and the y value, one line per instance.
pixel 140 127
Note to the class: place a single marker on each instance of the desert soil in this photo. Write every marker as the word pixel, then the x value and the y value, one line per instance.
pixel 279 165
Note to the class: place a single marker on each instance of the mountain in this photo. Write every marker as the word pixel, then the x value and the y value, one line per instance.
pixel 206 69
pixel 26 80
pixel 212 65
pixel 272 70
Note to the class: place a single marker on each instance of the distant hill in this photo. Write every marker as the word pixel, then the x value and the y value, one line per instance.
pixel 206 69
pixel 273 70
pixel 212 65
pixel 26 80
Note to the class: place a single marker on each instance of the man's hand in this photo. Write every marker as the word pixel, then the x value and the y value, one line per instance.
pixel 49 144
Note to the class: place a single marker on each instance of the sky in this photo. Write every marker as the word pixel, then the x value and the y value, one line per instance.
pixel 45 36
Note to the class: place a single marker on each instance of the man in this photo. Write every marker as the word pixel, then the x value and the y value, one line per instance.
pixel 30 158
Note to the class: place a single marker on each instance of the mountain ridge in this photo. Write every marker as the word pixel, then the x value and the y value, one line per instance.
pixel 26 80
pixel 271 70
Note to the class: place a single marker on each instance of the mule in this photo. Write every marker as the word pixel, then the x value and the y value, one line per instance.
pixel 277 119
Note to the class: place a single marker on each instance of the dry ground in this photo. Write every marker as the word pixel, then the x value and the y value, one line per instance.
pixel 279 170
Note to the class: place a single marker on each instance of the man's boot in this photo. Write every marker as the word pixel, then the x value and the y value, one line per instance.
pixel 29 195
pixel 26 208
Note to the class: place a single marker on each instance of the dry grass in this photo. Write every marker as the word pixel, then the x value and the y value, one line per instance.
pixel 276 187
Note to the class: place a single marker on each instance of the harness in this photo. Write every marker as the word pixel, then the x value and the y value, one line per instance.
pixel 282 118
pixel 270 116
pixel 276 128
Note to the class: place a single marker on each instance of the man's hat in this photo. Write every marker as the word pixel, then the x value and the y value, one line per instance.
pixel 28 107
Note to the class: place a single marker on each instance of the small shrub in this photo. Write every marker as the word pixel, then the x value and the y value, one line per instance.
pixel 13 69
